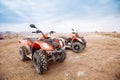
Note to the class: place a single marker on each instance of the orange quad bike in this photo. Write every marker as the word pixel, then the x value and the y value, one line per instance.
pixel 75 42
pixel 42 50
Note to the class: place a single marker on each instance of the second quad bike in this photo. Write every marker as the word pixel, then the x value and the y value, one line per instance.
pixel 75 42
pixel 42 50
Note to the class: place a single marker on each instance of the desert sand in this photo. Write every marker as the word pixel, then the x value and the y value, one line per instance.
pixel 99 61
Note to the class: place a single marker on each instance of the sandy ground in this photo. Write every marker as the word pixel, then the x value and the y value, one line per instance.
pixel 99 61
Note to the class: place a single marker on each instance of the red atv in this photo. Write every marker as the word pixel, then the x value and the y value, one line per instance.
pixel 42 50
pixel 75 42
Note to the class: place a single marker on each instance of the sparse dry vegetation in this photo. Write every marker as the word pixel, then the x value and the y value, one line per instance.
pixel 8 35
pixel 112 34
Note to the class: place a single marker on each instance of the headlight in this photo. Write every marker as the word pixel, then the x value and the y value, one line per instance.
pixel 61 43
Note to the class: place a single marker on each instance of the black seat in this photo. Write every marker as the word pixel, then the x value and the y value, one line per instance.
pixel 51 41
pixel 68 40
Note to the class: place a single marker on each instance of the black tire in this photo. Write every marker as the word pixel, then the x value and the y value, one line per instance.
pixel 40 61
pixel 22 53
pixel 77 47
pixel 63 56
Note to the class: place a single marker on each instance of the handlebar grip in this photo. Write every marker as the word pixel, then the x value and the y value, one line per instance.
pixel 33 32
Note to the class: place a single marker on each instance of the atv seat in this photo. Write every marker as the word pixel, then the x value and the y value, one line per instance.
pixel 51 41
pixel 63 37
pixel 67 39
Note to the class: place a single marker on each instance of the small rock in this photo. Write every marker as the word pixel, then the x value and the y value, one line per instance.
pixel 80 73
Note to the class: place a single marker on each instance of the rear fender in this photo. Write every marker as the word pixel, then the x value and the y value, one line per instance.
pixel 77 40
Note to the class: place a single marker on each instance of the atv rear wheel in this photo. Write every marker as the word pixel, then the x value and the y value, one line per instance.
pixel 40 61
pixel 22 53
pixel 77 47
pixel 63 56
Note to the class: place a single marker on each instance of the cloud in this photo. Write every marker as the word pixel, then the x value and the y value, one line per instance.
pixel 30 10
pixel 88 15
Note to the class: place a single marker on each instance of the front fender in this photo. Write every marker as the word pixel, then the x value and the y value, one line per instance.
pixel 43 45
pixel 23 42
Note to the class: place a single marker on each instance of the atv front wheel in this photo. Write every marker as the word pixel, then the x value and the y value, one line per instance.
pixel 84 46
pixel 40 61
pixel 77 47
pixel 63 56
pixel 22 53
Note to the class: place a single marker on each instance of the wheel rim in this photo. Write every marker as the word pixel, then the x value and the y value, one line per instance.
pixel 77 47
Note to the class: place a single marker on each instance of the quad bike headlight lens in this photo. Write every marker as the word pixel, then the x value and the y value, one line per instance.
pixel 61 43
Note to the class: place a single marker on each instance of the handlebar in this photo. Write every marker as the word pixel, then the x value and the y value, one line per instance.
pixel 73 32
pixel 33 32
pixel 37 31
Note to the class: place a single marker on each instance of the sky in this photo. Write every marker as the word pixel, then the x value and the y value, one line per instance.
pixel 60 15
